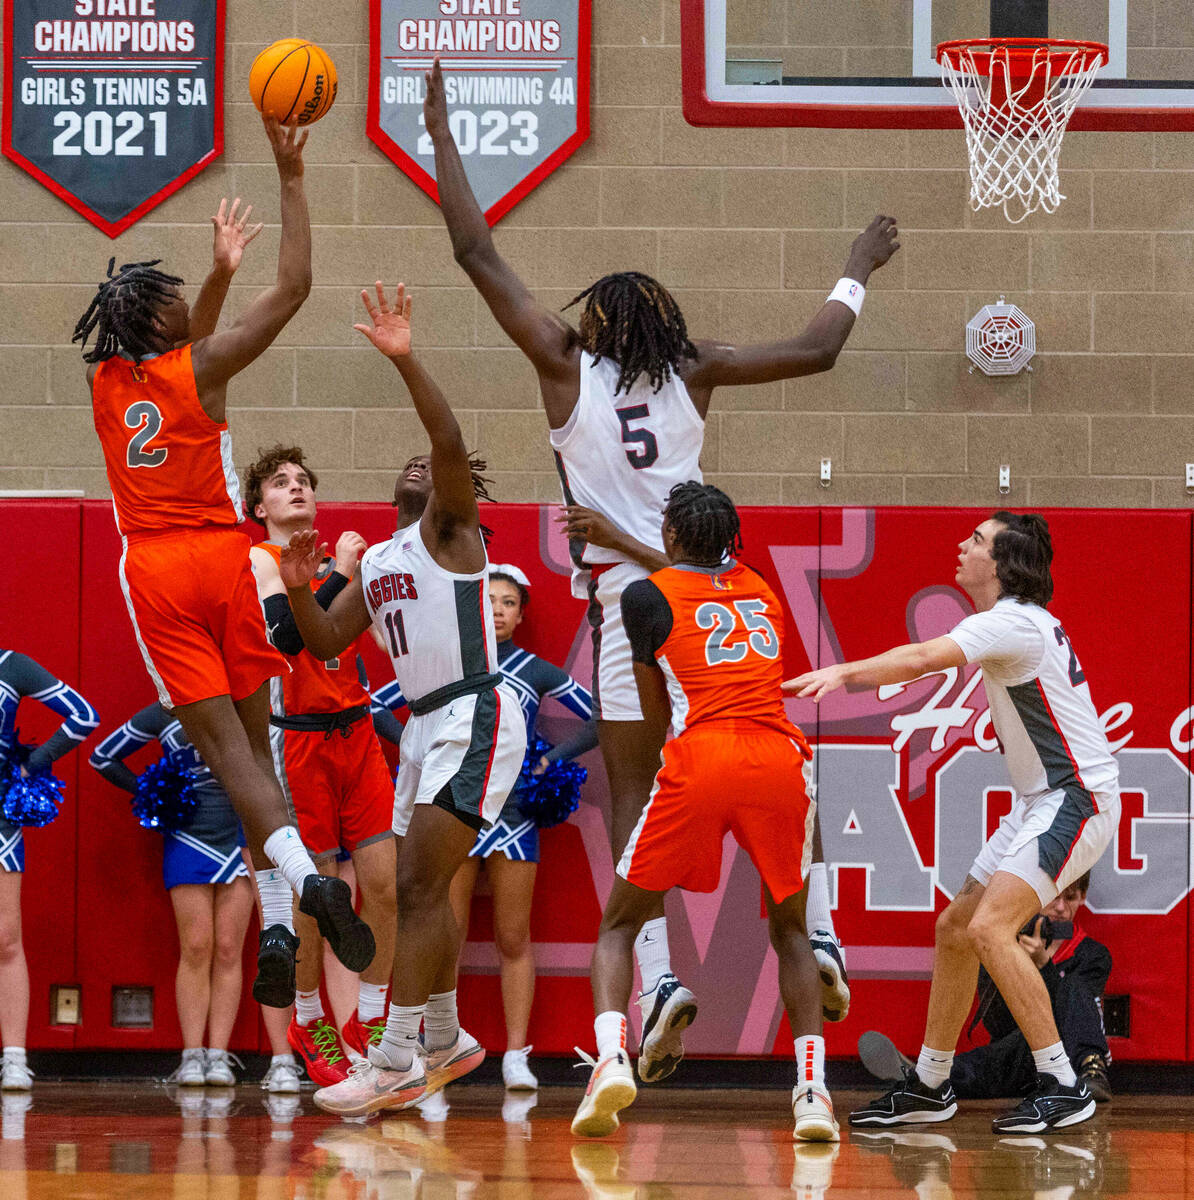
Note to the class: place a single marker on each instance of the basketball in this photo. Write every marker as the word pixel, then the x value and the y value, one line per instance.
pixel 293 78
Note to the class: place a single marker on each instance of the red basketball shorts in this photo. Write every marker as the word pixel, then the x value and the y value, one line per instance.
pixel 734 777
pixel 193 603
pixel 339 787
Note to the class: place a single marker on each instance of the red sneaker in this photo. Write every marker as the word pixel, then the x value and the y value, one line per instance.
pixel 318 1044
pixel 359 1035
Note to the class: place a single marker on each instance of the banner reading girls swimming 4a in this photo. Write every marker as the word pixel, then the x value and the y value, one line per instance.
pixel 516 77
pixel 113 104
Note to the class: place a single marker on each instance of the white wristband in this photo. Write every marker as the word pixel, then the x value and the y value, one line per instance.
pixel 849 292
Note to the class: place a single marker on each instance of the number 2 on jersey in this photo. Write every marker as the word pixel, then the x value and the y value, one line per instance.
pixel 723 621
pixel 1077 675
pixel 146 418
pixel 397 632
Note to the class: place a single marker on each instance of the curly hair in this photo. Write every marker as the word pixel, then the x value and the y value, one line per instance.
pixel 268 461
pixel 632 319
pixel 124 312
pixel 704 521
pixel 1023 553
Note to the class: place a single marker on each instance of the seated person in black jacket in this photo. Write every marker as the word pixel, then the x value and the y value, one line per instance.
pixel 1075 970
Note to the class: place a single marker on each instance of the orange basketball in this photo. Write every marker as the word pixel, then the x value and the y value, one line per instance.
pixel 293 78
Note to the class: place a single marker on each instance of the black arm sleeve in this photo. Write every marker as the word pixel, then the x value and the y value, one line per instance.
pixel 330 588
pixel 647 619
pixel 280 623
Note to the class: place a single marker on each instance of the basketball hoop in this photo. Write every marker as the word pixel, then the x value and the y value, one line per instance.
pixel 1016 96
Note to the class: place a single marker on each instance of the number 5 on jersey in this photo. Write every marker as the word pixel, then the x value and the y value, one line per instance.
pixel 723 621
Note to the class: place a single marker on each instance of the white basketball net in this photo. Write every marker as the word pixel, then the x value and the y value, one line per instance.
pixel 1014 140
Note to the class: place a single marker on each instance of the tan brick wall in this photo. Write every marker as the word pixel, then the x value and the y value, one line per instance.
pixel 749 227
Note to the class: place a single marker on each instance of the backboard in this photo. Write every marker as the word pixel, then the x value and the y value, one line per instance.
pixel 870 63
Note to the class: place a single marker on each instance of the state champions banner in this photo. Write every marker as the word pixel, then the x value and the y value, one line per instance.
pixel 516 78
pixel 113 104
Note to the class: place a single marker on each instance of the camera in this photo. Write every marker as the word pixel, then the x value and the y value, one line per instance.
pixel 1050 931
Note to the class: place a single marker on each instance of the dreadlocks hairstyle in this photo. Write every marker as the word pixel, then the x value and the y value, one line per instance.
pixel 268 461
pixel 631 318
pixel 1023 552
pixel 478 466
pixel 704 521
pixel 124 312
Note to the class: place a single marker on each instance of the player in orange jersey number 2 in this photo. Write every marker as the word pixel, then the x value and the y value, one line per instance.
pixel 707 651
pixel 158 375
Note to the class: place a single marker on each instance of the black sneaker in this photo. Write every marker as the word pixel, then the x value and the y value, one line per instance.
pixel 835 984
pixel 1092 1070
pixel 329 901
pixel 908 1102
pixel 274 985
pixel 1050 1105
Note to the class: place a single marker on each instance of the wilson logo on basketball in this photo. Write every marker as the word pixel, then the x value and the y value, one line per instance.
pixel 312 106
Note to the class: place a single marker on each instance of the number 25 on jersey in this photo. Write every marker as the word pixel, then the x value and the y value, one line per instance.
pixel 723 622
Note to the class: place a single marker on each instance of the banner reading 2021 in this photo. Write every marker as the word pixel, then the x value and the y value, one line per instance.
pixel 113 104
pixel 516 78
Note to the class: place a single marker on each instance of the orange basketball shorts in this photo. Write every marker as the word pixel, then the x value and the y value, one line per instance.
pixel 339 787
pixel 199 625
pixel 736 777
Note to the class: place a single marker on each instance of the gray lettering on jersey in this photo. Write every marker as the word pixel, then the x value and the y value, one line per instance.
pixel 964 787
pixel 867 777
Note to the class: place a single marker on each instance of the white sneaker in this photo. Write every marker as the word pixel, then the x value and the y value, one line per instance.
pixel 282 1079
pixel 813 1110
pixel 516 1071
pixel 15 1077
pixel 190 1072
pixel 611 1088
pixel 465 1054
pixel 812 1169
pixel 668 1009
pixel 831 963
pixel 218 1069
pixel 373 1085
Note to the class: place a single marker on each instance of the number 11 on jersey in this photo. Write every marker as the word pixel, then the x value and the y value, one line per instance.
pixel 397 631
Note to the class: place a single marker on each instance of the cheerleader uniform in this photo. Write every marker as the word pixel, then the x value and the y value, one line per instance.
pixel 21 676
pixel 208 850
pixel 532 680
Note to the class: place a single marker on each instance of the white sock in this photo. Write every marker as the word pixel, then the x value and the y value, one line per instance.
pixel 610 1028
pixel 371 1001
pixel 307 1007
pixel 810 1061
pixel 440 1022
pixel 933 1066
pixel 398 1043
pixel 277 899
pixel 286 851
pixel 817 913
pixel 1053 1060
pixel 15 1055
pixel 650 949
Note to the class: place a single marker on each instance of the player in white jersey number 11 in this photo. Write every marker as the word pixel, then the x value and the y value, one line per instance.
pixel 425 591
pixel 1064 815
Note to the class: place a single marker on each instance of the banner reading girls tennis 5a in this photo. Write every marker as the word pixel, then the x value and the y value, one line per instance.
pixel 516 79
pixel 113 104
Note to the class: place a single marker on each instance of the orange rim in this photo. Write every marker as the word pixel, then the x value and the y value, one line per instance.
pixel 1023 55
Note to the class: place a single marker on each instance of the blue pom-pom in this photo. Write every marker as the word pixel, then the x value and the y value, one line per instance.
pixel 551 798
pixel 31 800
pixel 165 798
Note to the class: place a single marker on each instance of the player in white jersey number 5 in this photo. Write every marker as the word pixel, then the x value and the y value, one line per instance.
pixel 626 396
pixel 426 592
pixel 1065 814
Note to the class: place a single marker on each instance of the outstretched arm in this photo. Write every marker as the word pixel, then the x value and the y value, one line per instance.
pixel 326 634
pixel 540 334
pixel 230 239
pixel 894 666
pixel 588 525
pixel 218 357
pixel 816 349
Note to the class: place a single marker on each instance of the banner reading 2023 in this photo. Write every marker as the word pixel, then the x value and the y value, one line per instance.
pixel 516 77
pixel 113 104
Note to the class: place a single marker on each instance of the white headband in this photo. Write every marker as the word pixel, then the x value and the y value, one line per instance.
pixel 511 570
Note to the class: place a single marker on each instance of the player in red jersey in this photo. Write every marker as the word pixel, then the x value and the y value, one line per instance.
pixel 329 763
pixel 707 651
pixel 158 384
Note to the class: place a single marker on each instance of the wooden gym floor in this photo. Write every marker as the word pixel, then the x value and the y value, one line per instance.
pixel 141 1141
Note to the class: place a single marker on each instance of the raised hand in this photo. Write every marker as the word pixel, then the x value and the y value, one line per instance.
pixel 435 104
pixel 231 235
pixel 815 683
pixel 873 247
pixel 390 329
pixel 301 557
pixel 287 142
pixel 349 549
